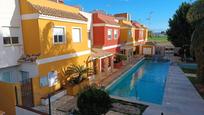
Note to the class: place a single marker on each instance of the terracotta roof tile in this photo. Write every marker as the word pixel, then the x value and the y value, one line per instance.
pixel 127 25
pixel 136 24
pixel 58 13
pixel 107 19
pixel 150 43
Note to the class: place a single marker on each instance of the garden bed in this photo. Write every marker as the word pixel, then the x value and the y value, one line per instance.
pixel 188 70
pixel 197 85
pixel 127 107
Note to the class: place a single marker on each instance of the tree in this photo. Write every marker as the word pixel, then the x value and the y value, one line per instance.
pixel 180 30
pixel 196 13
pixel 93 102
pixel 196 17
pixel 150 34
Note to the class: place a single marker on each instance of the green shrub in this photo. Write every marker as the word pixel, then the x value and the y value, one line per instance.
pixel 93 101
pixel 120 57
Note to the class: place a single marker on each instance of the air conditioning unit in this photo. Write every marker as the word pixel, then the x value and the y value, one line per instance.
pixel 61 1
pixel 58 1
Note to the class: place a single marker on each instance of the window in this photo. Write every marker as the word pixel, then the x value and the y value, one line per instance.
pixel 141 34
pixel 76 34
pixel 7 40
pixel 10 40
pixel 6 77
pixel 129 33
pixel 109 34
pixel 10 35
pixel 24 76
pixel 14 40
pixel 59 35
pixel 116 34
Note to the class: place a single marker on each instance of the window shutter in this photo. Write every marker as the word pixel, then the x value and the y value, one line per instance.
pixel 76 34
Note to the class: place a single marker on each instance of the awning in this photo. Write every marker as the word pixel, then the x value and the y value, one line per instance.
pixel 99 54
pixel 127 47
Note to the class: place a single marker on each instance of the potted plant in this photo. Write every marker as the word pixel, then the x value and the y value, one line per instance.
pixel 119 60
pixel 76 76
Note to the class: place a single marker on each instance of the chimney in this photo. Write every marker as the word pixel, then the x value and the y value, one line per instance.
pixel 124 16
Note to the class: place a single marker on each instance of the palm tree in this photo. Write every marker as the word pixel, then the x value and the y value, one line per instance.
pixel 196 18
pixel 76 73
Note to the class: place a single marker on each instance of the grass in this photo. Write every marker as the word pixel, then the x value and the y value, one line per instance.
pixel 158 39
pixel 195 82
pixel 191 71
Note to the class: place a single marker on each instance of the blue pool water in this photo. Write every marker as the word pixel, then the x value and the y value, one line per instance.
pixel 144 82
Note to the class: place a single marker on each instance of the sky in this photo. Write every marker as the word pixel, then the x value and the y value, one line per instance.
pixel 152 13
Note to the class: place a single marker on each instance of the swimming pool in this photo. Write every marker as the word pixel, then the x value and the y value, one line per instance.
pixel 144 82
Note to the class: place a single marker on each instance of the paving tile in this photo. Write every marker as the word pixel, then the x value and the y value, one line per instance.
pixel 180 98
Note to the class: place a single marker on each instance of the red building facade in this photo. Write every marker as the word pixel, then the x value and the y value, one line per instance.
pixel 106 32
pixel 139 32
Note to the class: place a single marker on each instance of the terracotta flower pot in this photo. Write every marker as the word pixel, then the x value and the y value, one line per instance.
pixel 118 65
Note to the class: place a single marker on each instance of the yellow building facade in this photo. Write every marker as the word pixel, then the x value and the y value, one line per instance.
pixel 55 35
pixel 127 32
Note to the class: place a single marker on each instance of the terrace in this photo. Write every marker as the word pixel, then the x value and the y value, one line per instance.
pixel 174 102
pixel 67 103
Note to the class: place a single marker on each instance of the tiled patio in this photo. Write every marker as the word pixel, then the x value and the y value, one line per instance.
pixel 59 107
pixel 180 98
pixel 105 81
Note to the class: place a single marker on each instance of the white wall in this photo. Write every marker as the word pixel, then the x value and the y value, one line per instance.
pixel 10 25
pixel 32 68
pixel 89 26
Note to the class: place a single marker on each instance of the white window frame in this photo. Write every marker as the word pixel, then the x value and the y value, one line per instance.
pixel 64 38
pixel 111 36
pixel 80 39
pixel 116 32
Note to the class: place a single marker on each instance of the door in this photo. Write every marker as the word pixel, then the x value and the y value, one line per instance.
pixel 137 49
pixel 26 90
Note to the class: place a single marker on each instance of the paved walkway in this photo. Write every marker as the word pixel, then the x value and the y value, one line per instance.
pixel 60 106
pixel 180 98
pixel 107 80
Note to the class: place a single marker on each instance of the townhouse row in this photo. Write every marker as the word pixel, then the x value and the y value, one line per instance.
pixel 38 38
